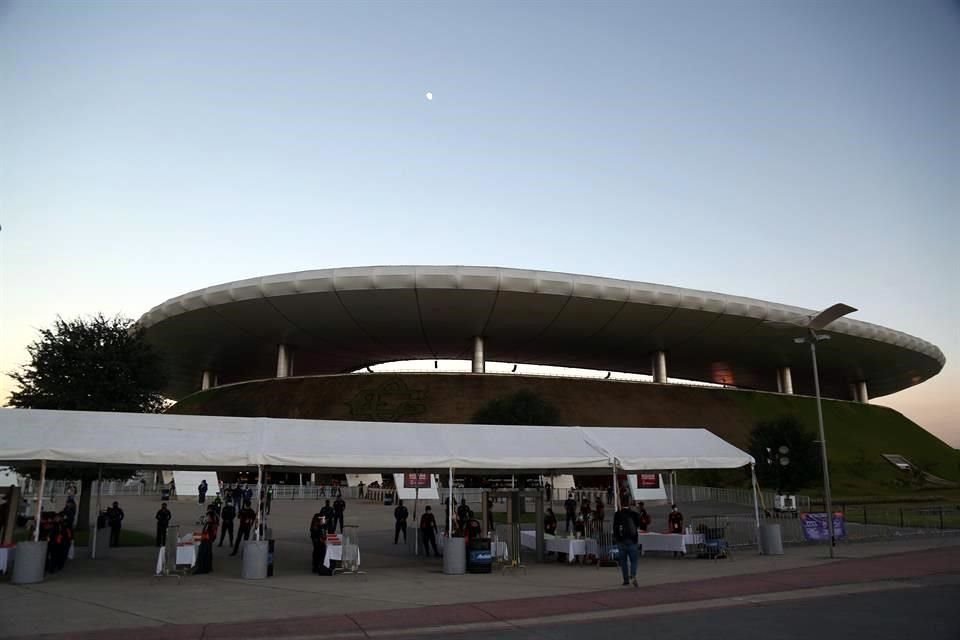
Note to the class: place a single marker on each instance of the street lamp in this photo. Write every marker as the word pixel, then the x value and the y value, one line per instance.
pixel 818 323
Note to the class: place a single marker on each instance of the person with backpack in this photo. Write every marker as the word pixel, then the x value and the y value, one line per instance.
pixel 400 515
pixel 428 531
pixel 626 527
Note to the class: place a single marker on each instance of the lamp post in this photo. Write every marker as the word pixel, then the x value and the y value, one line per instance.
pixel 817 323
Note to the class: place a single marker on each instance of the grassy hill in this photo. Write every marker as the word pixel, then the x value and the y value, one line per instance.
pixel 857 434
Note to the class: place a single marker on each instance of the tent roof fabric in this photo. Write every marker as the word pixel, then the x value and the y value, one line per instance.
pixel 209 442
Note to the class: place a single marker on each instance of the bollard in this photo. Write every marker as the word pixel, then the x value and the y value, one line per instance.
pixel 29 562
pixel 255 554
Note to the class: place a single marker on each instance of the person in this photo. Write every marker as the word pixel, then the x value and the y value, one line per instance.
pixel 70 510
pixel 464 513
pixel 338 506
pixel 626 525
pixel 489 514
pixel 675 520
pixel 59 538
pixel 428 531
pixel 207 536
pixel 115 520
pixel 598 516
pixel 248 494
pixel 202 491
pixel 247 517
pixel 217 504
pixel 163 520
pixel 585 510
pixel 269 497
pixel 550 522
pixel 329 514
pixel 360 494
pixel 318 531
pixel 400 515
pixel 644 517
pixel 237 495
pixel 610 494
pixel 227 514
pixel 547 492
pixel 580 527
pixel 570 506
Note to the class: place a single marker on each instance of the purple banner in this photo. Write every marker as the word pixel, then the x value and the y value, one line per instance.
pixel 815 527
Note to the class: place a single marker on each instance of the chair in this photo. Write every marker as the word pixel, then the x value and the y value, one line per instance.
pixel 714 543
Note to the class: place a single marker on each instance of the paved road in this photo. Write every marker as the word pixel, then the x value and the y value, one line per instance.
pixel 929 612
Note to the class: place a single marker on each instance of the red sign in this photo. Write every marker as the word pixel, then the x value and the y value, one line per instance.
pixel 648 480
pixel 416 481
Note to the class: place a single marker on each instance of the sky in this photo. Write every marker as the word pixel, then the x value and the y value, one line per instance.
pixel 798 152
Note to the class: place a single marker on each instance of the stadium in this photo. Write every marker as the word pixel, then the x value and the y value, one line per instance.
pixel 299 345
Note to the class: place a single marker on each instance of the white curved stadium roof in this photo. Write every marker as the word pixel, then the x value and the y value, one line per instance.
pixel 340 320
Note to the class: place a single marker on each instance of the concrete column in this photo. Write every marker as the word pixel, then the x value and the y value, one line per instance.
pixel 785 380
pixel 659 367
pixel 862 394
pixel 479 364
pixel 283 361
pixel 209 380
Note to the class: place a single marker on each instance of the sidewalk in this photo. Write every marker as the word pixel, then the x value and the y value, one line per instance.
pixel 415 601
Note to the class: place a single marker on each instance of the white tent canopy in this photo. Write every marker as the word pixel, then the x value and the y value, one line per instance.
pixel 210 442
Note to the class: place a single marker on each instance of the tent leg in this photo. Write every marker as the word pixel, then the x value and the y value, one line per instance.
pixel 616 489
pixel 416 528
pixel 756 509
pixel 256 533
pixel 451 507
pixel 43 481
pixel 93 546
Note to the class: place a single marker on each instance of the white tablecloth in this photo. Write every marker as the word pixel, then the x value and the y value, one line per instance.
pixel 676 542
pixel 499 550
pixel 571 546
pixel 186 554
pixel 6 556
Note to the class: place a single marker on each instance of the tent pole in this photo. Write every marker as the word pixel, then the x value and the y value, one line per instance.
pixel 93 547
pixel 450 506
pixel 256 533
pixel 616 489
pixel 43 481
pixel 756 509
pixel 416 527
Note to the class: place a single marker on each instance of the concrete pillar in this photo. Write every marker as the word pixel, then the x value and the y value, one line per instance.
pixel 785 380
pixel 862 394
pixel 659 367
pixel 208 380
pixel 283 361
pixel 479 364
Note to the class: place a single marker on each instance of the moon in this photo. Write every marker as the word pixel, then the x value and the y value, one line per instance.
pixel 429 95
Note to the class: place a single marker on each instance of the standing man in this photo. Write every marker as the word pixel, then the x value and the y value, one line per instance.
pixel 626 525
pixel 428 531
pixel 70 510
pixel 328 517
pixel 227 515
pixel 360 495
pixel 237 494
pixel 490 514
pixel 550 522
pixel 207 536
pixel 248 494
pixel 644 517
pixel 115 520
pixel 598 516
pixel 247 517
pixel 675 520
pixel 338 506
pixel 269 497
pixel 400 515
pixel 570 506
pixel 202 491
pixel 163 520
pixel 318 531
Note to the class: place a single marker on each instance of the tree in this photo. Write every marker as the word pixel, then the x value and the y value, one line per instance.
pixel 94 364
pixel 802 462
pixel 522 407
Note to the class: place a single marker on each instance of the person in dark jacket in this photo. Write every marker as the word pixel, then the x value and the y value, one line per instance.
pixel 338 506
pixel 163 521
pixel 570 506
pixel 207 536
pixel 247 517
pixel 328 515
pixel 227 514
pixel 626 527
pixel 644 517
pixel 400 515
pixel 202 492
pixel 428 531
pixel 318 531
pixel 550 522
pixel 115 520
